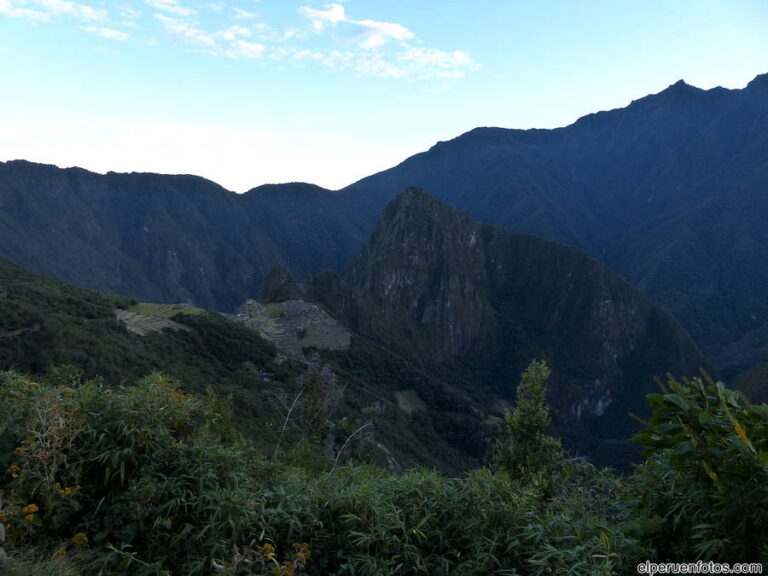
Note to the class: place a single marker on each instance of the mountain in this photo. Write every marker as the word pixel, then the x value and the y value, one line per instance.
pixel 669 192
pixel 445 313
pixel 476 303
pixel 166 238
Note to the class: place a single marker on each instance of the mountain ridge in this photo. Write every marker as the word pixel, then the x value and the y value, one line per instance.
pixel 666 191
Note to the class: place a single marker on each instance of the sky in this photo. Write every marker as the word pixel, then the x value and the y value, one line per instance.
pixel 247 92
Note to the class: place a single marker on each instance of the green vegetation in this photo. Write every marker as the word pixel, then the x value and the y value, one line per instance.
pixel 164 310
pixel 104 471
pixel 525 449
pixel 50 324
pixel 704 487
pixel 148 480
pixel 46 324
pixel 273 309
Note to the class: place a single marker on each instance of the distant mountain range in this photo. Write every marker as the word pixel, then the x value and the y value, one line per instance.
pixel 670 191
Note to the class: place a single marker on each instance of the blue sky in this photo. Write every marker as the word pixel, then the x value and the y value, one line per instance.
pixel 246 92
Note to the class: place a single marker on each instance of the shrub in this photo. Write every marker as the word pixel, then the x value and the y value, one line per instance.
pixel 159 477
pixel 703 491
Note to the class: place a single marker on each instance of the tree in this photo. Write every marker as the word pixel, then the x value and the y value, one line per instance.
pixel 525 449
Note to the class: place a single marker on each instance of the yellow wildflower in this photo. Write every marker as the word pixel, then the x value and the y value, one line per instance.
pixel 60 553
pixel 79 539
pixel 713 475
pixel 741 432
pixel 20 451
pixel 30 509
pixel 14 469
pixel 268 550
pixel 286 569
pixel 29 517
pixel 301 550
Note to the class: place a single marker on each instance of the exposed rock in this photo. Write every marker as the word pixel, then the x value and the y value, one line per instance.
pixel 143 325
pixel 409 401
pixel 293 326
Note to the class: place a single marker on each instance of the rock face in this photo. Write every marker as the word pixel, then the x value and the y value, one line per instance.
pixel 422 277
pixel 294 325
pixel 434 284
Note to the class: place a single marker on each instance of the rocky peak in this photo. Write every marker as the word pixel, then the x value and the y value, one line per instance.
pixel 434 284
pixel 422 271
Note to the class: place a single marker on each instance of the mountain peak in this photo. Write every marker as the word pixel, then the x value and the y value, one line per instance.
pixel 415 202
pixel 760 82
pixel 679 88
pixel 414 194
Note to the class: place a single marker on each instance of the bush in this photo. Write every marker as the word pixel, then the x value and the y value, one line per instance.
pixel 159 477
pixel 703 491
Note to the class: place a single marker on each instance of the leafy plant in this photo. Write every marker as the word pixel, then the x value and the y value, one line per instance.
pixel 703 491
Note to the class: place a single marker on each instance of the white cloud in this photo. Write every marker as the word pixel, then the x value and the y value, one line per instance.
pixel 410 63
pixel 128 17
pixel 170 6
pixel 241 14
pixel 229 42
pixel 380 49
pixel 235 32
pixel 14 12
pixel 364 63
pixel 374 34
pixel 186 31
pixel 243 49
pixel 46 10
pixel 364 46
pixel 366 33
pixel 431 63
pixel 321 18
pixel 296 55
pixel 109 33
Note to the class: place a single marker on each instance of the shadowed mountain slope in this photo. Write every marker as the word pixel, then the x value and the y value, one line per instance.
pixel 478 303
pixel 166 238
pixel 669 191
